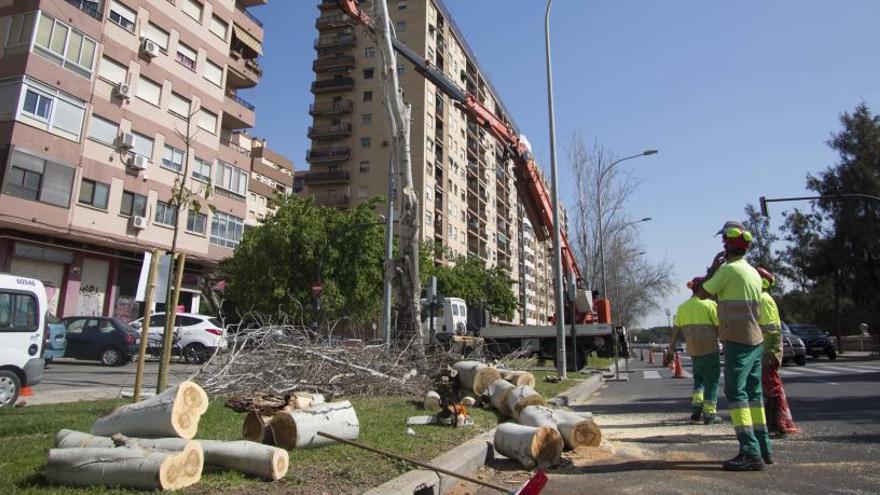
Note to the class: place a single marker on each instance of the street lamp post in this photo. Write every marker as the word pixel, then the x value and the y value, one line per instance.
pixel 557 246
pixel 602 213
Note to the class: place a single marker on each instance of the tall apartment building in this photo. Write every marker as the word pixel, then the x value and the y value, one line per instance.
pixel 95 98
pixel 469 201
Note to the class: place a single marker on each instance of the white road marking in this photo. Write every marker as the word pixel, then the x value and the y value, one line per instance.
pixel 866 368
pixel 651 375
pixel 804 369
pixel 784 372
pixel 841 369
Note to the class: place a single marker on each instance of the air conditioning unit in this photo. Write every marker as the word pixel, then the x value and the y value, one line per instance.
pixel 137 162
pixel 122 90
pixel 149 48
pixel 125 141
pixel 139 223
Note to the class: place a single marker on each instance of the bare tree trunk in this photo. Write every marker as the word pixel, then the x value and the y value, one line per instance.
pixel 408 284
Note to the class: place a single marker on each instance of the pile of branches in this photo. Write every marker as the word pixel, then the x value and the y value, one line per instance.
pixel 282 357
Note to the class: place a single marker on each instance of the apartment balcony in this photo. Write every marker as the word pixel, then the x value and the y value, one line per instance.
pixel 326 5
pixel 339 63
pixel 341 201
pixel 92 8
pixel 335 42
pixel 330 131
pixel 327 178
pixel 238 113
pixel 333 85
pixel 250 3
pixel 328 155
pixel 334 22
pixel 258 187
pixel 243 72
pixel 331 108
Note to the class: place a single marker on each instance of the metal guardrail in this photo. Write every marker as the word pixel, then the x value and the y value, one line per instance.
pixel 88 7
pixel 241 101
pixel 226 142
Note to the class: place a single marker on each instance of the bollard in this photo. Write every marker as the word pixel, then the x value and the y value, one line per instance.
pixel 641 354
pixel 650 356
pixel 677 371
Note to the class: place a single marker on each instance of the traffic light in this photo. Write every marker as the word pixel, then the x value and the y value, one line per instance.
pixel 764 211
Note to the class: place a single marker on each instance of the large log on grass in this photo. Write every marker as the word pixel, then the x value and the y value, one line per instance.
pixel 538 416
pixel 126 467
pixel 519 377
pixel 257 428
pixel 578 430
pixel 498 392
pixel 521 397
pixel 299 428
pixel 529 445
pixel 173 413
pixel 476 376
pixel 247 457
pixel 432 401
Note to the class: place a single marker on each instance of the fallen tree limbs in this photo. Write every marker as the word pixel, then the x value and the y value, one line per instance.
pixel 126 467
pixel 247 457
pixel 173 413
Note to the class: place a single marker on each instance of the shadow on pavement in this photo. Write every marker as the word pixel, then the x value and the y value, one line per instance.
pixel 648 465
pixel 687 438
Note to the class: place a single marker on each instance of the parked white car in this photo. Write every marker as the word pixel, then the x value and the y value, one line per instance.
pixel 23 312
pixel 198 336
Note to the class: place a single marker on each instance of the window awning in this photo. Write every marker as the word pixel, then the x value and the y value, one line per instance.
pixel 246 38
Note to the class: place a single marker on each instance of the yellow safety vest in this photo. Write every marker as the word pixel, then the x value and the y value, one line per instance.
pixel 698 320
pixel 738 288
pixel 771 325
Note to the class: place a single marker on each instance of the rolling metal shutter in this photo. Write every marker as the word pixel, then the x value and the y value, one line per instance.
pixel 51 274
pixel 93 287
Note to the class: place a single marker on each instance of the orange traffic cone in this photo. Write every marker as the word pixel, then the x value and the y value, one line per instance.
pixel 676 363
pixel 26 392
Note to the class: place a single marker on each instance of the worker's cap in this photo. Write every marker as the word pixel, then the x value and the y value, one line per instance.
pixel 731 224
pixel 694 283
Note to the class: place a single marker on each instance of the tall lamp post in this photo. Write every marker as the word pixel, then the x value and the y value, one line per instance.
pixel 602 213
pixel 557 246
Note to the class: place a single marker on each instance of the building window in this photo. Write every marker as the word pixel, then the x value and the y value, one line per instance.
pixel 368 96
pixel 226 230
pixel 37 179
pixel 143 146
pixel 122 15
pixel 157 35
pixel 196 223
pixel 165 214
pixel 207 120
pixel 149 91
pixel 201 170
pixel 401 26
pixel 367 119
pixel 214 73
pixel 366 142
pixel 21 29
pixel 179 106
pixel 94 193
pixel 186 56
pixel 47 108
pixel 218 27
pixel 172 159
pixel 370 52
pixel 112 71
pixel 103 130
pixel 401 5
pixel 365 166
pixel 369 73
pixel 192 9
pixel 232 179
pixel 65 46
pixel 133 205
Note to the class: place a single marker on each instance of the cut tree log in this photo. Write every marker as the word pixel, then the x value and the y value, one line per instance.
pixel 521 397
pixel 257 428
pixel 498 392
pixel 126 467
pixel 538 416
pixel 529 445
pixel 476 376
pixel 173 413
pixel 519 377
pixel 432 401
pixel 299 428
pixel 303 400
pixel 577 430
pixel 244 456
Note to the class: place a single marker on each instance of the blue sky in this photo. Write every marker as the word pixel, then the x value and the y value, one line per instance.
pixel 739 97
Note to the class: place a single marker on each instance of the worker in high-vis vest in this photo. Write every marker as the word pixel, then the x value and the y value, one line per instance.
pixel 779 418
pixel 697 320
pixel 737 287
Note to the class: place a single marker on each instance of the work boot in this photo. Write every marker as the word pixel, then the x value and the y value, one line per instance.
pixel 696 417
pixel 712 419
pixel 768 459
pixel 743 462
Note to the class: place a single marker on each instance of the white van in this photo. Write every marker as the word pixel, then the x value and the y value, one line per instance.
pixel 23 309
pixel 450 318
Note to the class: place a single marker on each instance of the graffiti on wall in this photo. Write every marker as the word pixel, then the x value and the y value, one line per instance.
pixel 126 308
pixel 91 300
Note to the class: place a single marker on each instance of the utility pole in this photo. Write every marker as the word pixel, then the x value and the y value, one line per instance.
pixel 407 265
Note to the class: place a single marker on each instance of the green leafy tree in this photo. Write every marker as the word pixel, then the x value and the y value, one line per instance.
pixel 469 279
pixel 274 267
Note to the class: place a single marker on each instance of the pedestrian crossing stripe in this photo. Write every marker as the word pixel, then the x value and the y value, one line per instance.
pixel 651 374
pixel 816 371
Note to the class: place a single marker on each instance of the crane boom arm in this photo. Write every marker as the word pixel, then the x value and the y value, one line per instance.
pixel 531 188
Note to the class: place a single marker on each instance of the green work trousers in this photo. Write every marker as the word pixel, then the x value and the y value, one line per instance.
pixel 742 385
pixel 707 371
